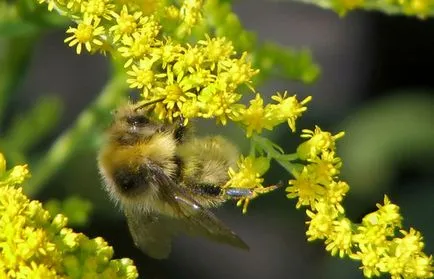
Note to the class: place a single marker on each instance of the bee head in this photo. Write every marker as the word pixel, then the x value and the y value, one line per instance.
pixel 131 125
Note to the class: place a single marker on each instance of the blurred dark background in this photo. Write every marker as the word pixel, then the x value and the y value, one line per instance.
pixel 377 84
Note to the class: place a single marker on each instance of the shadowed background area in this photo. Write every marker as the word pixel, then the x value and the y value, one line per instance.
pixel 376 84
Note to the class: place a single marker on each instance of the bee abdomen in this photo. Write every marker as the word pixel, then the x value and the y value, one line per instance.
pixel 131 179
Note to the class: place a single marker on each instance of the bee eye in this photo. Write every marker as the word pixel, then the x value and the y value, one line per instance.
pixel 138 120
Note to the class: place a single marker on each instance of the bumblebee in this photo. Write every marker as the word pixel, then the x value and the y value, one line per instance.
pixel 165 180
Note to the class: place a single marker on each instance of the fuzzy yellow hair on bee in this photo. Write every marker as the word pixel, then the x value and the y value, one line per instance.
pixel 165 180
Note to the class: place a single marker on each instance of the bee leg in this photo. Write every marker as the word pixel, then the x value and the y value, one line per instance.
pixel 237 193
pixel 208 189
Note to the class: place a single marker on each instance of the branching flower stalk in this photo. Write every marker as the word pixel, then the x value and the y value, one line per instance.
pixel 204 77
pixel 34 244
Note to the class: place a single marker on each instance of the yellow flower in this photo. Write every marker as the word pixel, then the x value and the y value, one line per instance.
pixel 97 9
pixel 317 142
pixel 126 24
pixel 324 168
pixel 335 194
pixel 288 108
pixel 305 188
pixel 169 52
pixel 143 76
pixel 135 47
pixel 249 173
pixel 248 176
pixel 191 12
pixel 321 221
pixel 15 176
pixel 88 33
pixel 370 258
pixel 220 104
pixel 254 117
pixel 189 61
pixel 238 71
pixel 340 240
pixel 34 245
pixel 216 49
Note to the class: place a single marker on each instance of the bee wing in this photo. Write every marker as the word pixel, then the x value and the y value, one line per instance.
pixel 151 233
pixel 202 222
pixel 194 219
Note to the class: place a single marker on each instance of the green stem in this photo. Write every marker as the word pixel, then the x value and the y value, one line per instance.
pixel 13 61
pixel 276 153
pixel 70 140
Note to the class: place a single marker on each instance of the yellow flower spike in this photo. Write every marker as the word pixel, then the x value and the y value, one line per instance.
pixel 87 33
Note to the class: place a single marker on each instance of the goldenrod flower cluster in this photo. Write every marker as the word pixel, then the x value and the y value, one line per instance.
pixel 374 242
pixel 35 245
pixel 189 80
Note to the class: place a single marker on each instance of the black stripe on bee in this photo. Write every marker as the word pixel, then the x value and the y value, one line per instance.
pixel 179 167
pixel 208 189
pixel 130 180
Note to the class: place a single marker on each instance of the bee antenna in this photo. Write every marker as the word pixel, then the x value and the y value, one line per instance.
pixel 148 103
